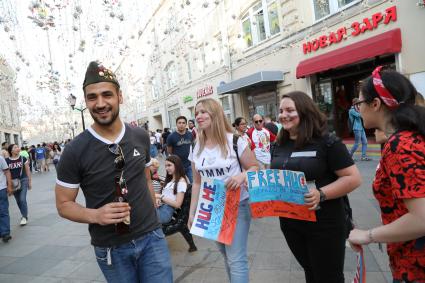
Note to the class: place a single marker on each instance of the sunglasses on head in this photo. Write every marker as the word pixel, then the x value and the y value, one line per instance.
pixel 119 160
pixel 258 121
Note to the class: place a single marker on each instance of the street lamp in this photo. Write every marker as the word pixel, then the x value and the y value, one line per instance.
pixel 72 100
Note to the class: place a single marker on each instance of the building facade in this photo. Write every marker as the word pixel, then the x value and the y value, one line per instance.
pixel 247 54
pixel 10 127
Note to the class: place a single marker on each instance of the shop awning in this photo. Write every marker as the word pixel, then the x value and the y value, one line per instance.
pixel 386 43
pixel 256 79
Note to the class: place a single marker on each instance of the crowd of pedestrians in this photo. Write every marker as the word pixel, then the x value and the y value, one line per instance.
pixel 19 163
pixel 113 164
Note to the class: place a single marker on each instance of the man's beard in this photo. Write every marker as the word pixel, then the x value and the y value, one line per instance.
pixel 106 122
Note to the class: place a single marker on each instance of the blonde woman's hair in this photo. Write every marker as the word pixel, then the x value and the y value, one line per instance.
pixel 155 163
pixel 220 127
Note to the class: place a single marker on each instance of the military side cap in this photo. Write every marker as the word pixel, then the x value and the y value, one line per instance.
pixel 97 73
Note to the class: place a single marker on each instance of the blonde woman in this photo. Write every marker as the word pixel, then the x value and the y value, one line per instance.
pixel 214 152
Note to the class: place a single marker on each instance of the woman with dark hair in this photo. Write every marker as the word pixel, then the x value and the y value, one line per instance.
pixel 57 152
pixel 304 145
pixel 21 177
pixel 172 194
pixel 387 102
pixel 240 126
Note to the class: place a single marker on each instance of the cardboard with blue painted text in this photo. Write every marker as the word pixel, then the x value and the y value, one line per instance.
pixel 274 192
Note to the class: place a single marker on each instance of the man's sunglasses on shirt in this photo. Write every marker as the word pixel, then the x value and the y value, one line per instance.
pixel 119 160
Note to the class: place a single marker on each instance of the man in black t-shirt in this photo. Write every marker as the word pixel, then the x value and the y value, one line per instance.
pixel 106 152
pixel 179 142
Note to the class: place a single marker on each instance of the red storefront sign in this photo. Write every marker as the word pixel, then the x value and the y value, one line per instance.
pixel 205 91
pixel 357 28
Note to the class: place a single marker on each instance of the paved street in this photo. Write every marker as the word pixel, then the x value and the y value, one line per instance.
pixel 51 249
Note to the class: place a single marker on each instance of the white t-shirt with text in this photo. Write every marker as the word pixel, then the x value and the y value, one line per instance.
pixel 211 164
pixel 261 140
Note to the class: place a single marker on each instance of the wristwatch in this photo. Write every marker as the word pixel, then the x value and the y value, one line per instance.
pixel 322 195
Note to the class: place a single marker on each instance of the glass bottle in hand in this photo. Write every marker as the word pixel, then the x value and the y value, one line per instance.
pixel 121 196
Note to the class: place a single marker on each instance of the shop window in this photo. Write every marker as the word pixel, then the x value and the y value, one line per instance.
pixel 188 67
pixel 225 103
pixel 155 89
pixel 273 18
pixel 192 112
pixel 7 137
pixel 172 116
pixel 261 22
pixel 323 8
pixel 171 74
pixel 247 35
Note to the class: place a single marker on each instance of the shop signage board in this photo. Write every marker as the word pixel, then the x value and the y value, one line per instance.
pixel 187 98
pixel 208 90
pixel 215 217
pixel 356 28
pixel 274 192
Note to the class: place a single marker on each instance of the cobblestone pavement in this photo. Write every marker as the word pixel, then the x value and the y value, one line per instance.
pixel 52 249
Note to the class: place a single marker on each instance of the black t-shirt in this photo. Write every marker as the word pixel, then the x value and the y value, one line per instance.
pixel 86 162
pixel 165 136
pixel 181 145
pixel 318 160
pixel 17 166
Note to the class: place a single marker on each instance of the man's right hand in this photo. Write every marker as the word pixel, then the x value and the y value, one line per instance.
pixel 9 190
pixel 112 213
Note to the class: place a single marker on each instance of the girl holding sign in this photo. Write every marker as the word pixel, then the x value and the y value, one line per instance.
pixel 387 102
pixel 304 145
pixel 173 192
pixel 214 156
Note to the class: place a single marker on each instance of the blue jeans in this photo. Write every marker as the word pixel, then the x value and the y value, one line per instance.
pixel 153 151
pixel 235 255
pixel 188 171
pixel 165 213
pixel 359 135
pixel 4 214
pixel 145 259
pixel 21 197
pixel 402 281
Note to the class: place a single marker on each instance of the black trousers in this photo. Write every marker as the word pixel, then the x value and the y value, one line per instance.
pixel 319 247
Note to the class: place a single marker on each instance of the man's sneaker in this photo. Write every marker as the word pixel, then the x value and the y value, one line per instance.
pixel 366 158
pixel 23 221
pixel 6 238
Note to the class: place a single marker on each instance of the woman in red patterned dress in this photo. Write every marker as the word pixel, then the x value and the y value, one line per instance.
pixel 387 102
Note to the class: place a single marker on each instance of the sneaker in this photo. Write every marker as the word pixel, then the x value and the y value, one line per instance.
pixel 6 238
pixel 366 158
pixel 23 221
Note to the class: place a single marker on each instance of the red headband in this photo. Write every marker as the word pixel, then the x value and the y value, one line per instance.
pixel 383 93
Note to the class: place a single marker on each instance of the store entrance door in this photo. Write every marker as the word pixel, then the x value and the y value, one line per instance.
pixel 334 90
pixel 264 104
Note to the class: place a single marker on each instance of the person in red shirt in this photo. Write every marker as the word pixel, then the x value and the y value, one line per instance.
pixel 387 102
pixel 261 139
pixel 192 128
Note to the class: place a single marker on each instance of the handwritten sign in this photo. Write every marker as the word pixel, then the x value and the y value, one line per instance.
pixel 360 276
pixel 280 193
pixel 216 212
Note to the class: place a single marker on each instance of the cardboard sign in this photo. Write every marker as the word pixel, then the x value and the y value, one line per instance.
pixel 216 212
pixel 280 193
